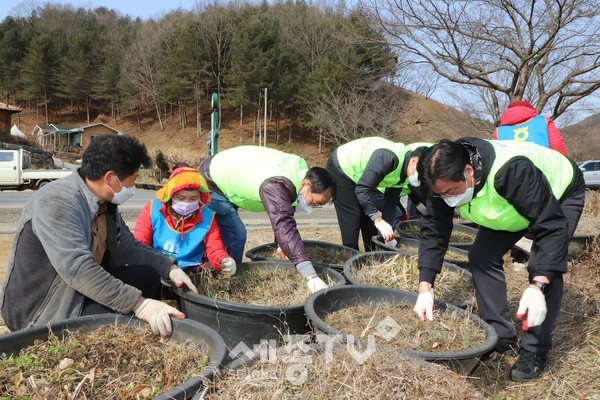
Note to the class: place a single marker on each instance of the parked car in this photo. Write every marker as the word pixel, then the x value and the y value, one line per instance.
pixel 591 173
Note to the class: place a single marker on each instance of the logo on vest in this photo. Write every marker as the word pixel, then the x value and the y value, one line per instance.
pixel 521 134
pixel 171 247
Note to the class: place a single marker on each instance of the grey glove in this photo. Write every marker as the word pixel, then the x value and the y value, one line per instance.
pixel 156 313
pixel 228 266
pixel 180 279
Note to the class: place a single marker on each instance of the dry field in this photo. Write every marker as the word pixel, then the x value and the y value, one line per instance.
pixel 574 362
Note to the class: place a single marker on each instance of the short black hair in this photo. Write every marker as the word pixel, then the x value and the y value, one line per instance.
pixel 444 160
pixel 321 180
pixel 122 154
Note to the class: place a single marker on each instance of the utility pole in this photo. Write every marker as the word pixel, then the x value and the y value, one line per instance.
pixel 213 136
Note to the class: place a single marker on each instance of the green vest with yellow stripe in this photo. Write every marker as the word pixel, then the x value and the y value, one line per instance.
pixel 493 211
pixel 238 172
pixel 354 156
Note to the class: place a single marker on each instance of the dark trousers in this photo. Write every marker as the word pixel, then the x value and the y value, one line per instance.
pixel 351 217
pixel 142 277
pixel 485 258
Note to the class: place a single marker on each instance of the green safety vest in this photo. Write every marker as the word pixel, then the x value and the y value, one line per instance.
pixel 354 156
pixel 238 172
pixel 410 148
pixel 493 211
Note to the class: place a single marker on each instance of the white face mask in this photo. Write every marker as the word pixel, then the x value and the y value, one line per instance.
pixel 413 180
pixel 461 199
pixel 123 195
pixel 302 206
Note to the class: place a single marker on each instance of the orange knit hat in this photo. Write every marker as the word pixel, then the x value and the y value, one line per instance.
pixel 184 178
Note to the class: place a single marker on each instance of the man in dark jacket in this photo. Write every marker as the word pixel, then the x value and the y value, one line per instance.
pixel 257 178
pixel 371 174
pixel 73 255
pixel 508 188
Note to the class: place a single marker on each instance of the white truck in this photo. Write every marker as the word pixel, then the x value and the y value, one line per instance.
pixel 16 172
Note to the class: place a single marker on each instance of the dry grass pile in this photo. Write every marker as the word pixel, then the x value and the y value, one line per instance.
pixel 113 362
pixel 272 286
pixel 449 331
pixel 401 272
pixel 312 374
pixel 316 253
pixel 455 237
pixel 414 249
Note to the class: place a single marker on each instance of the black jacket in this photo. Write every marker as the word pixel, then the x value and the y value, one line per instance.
pixel 524 186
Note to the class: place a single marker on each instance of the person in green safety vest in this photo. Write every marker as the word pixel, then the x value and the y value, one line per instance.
pixel 508 188
pixel 257 178
pixel 371 175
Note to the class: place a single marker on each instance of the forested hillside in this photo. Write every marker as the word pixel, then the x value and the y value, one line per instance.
pixel 301 58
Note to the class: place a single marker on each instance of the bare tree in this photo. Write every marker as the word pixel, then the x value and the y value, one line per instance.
pixel 143 64
pixel 357 113
pixel 544 50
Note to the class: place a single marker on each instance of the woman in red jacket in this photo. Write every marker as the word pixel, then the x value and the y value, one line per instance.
pixel 520 121
pixel 180 224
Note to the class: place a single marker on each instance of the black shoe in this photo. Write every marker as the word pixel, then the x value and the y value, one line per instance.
pixel 528 367
pixel 505 347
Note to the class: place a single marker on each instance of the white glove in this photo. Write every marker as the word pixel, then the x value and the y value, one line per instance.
pixel 424 306
pixel 228 265
pixel 180 279
pixel 386 230
pixel 156 313
pixel 533 303
pixel 315 284
pixel 392 243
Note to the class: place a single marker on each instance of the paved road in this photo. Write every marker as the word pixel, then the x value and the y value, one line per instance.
pixel 12 202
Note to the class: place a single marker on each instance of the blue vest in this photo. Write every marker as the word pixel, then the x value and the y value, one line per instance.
pixel 187 248
pixel 534 131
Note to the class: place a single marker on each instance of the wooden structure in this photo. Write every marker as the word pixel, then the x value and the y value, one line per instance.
pixel 6 112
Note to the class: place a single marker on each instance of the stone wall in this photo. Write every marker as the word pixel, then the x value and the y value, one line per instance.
pixel 40 159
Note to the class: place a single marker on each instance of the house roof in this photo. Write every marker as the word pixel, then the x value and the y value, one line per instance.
pixel 10 108
pixel 101 123
pixel 59 129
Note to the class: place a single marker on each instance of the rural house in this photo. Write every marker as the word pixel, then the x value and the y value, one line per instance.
pixel 56 137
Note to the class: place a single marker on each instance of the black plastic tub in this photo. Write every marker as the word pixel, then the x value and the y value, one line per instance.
pixel 266 251
pixel 406 228
pixel 243 326
pixel 411 246
pixel 366 260
pixel 466 222
pixel 186 331
pixel 320 304
pixel 579 243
